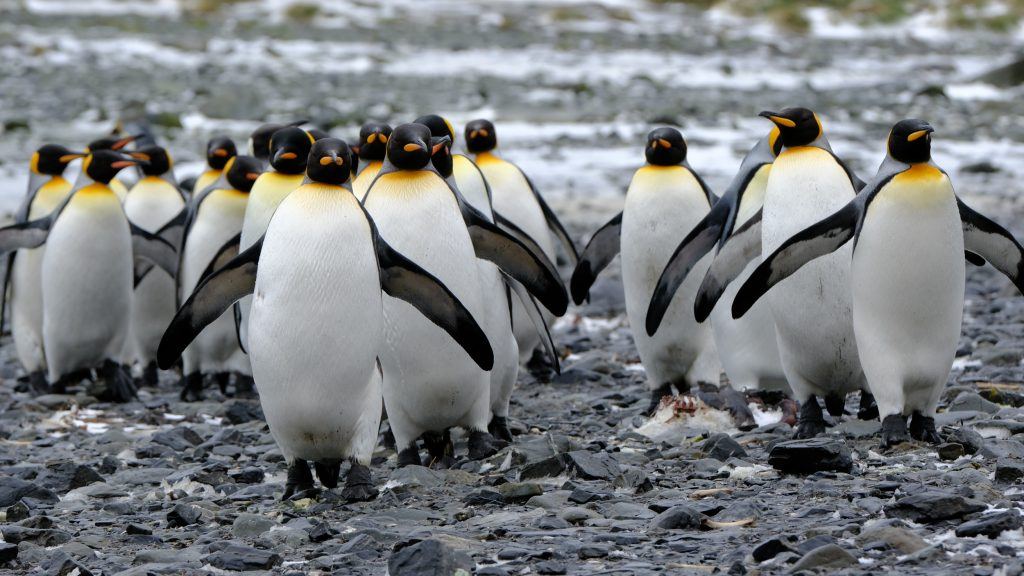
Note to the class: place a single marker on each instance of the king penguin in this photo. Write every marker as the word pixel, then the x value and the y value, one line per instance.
pixel 47 189
pixel 317 326
pixel 429 383
pixel 259 139
pixel 151 203
pixel 514 196
pixel 907 277
pixel 373 145
pixel 117 144
pixel 210 235
pixel 219 150
pixel 665 200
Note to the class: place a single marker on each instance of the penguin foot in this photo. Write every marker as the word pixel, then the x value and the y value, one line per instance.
pixel 540 367
pixel 388 439
pixel 894 430
pixel 835 404
pixel 245 387
pixel 358 484
pixel 191 387
pixel 119 384
pixel 482 445
pixel 409 456
pixel 498 427
pixel 37 384
pixel 440 447
pixel 922 428
pixel 328 473
pixel 656 395
pixel 150 376
pixel 868 408
pixel 811 422
pixel 222 379
pixel 299 480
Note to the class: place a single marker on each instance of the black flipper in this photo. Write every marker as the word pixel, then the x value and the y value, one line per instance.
pixel 993 243
pixel 208 301
pixel 31 234
pixel 743 246
pixel 224 255
pixel 155 249
pixel 604 245
pixel 974 258
pixel 142 267
pixel 554 224
pixel 695 246
pixel 536 317
pixel 404 279
pixel 822 238
pixel 174 230
pixel 519 234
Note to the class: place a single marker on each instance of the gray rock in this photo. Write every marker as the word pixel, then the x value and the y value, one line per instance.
pixel 8 552
pixel 40 536
pixel 484 497
pixel 950 451
pixel 61 564
pixel 241 558
pixel 722 447
pixel 577 515
pixel 545 468
pixel 811 455
pixel 64 476
pixel 591 550
pixel 966 401
pixel 896 537
pixel 933 506
pixel 183 515
pixel 13 489
pixel 592 466
pixel 829 556
pixel 677 518
pixel 180 438
pixel 417 476
pixel 519 492
pixel 429 558
pixel 991 525
pixel 770 549
pixel 971 440
pixel 248 526
pixel 1008 471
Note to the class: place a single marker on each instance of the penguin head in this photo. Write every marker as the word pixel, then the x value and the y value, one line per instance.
pixel 910 141
pixel 219 150
pixel 259 139
pixel 242 172
pixel 52 159
pixel 317 134
pixel 373 141
pixel 441 155
pixel 111 142
pixel 409 147
pixel 329 162
pixel 665 147
pixel 102 165
pixel 775 141
pixel 156 161
pixel 439 126
pixel 480 136
pixel 289 149
pixel 797 126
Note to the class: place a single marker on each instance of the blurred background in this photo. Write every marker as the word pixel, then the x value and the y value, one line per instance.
pixel 573 85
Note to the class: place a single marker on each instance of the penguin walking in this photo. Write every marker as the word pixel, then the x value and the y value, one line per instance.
pixel 151 203
pixel 429 385
pixel 211 238
pixel 665 200
pixel 373 145
pixel 289 150
pixel 907 277
pixel 47 189
pixel 87 276
pixel 317 326
pixel 219 150
pixel 515 197
pixel 747 347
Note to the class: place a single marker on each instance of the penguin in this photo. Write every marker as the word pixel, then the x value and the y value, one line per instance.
pixel 429 385
pixel 259 139
pixel 219 150
pixel 215 222
pixel 289 150
pixel 47 189
pixel 813 321
pixel 151 203
pixel 317 325
pixel 747 348
pixel 115 143
pixel 87 276
pixel 515 197
pixel 496 287
pixel 665 200
pixel 907 277
pixel 373 145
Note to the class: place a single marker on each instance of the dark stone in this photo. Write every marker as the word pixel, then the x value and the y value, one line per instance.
pixel 769 549
pixel 722 447
pixel 428 558
pixel 991 525
pixel 811 455
pixel 240 558
pixel 62 564
pixel 950 451
pixel 18 511
pixel 677 518
pixel 42 536
pixel 971 440
pixel 8 551
pixel 588 551
pixel 519 492
pixel 183 515
pixel 1007 471
pixel 240 412
pixel 829 556
pixel 484 497
pixel 139 530
pixel 548 467
pixel 152 450
pixel 64 476
pixel 249 475
pixel 180 438
pixel 13 489
pixel 933 506
pixel 591 466
pixel 320 532
pixel 550 567
pixel 581 496
pixel 550 523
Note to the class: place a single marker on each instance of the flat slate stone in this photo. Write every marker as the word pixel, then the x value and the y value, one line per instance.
pixel 811 455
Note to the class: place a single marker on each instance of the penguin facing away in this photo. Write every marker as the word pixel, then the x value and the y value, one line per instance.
pixel 219 150
pixel 909 232
pixel 373 145
pixel 47 189
pixel 317 325
pixel 429 386
pixel 665 200
pixel 747 347
pixel 151 203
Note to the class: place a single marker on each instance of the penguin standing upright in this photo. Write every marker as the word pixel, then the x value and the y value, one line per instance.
pixel 47 189
pixel 907 276
pixel 151 203
pixel 211 235
pixel 747 347
pixel 429 383
pixel 117 144
pixel 219 150
pixel 373 145
pixel 317 326
pixel 259 139
pixel 665 200
pixel 514 196
pixel 289 150
pixel 87 274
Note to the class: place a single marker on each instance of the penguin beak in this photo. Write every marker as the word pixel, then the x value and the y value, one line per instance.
pixel 920 133
pixel 72 156
pixel 119 164
pixel 779 121
pixel 285 156
pixel 140 156
pixel 332 158
pixel 252 175
pixel 412 147
pixel 661 142
pixel 219 152
pixel 125 141
pixel 438 143
pixel 382 137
